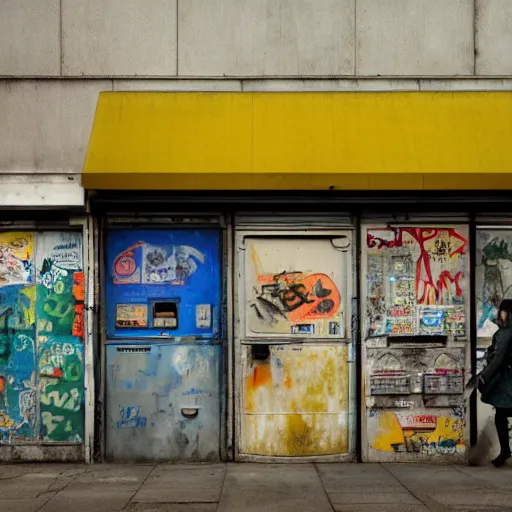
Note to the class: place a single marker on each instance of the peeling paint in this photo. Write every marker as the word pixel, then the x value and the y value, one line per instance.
pixel 296 404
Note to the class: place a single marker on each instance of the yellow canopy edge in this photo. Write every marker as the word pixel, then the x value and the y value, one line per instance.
pixel 301 141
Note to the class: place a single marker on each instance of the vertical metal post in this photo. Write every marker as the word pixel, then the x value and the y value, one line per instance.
pixel 230 340
pixel 359 344
pixel 473 427
pixel 101 357
pixel 89 380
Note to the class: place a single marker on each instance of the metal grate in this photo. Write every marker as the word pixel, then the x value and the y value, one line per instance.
pixel 390 383
pixel 134 350
pixel 444 382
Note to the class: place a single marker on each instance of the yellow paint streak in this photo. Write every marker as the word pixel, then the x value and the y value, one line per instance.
pixel 301 141
pixel 303 409
pixel 295 435
pixel 30 313
pixel 388 433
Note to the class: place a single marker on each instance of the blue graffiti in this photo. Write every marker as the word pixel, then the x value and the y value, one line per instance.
pixel 195 391
pixel 138 385
pixel 130 417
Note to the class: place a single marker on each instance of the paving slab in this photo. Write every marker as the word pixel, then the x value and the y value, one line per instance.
pixel 273 488
pixel 364 498
pixel 69 503
pixel 22 505
pixel 29 482
pixel 379 508
pixel 360 478
pixel 171 507
pixel 476 498
pixel 498 478
pixel 100 489
pixel 189 483
pixel 433 478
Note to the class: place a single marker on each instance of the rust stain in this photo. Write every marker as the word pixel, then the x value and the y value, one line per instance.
pixel 283 400
pixel 262 376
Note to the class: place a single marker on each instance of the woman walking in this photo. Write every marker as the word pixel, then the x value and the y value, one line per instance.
pixel 495 380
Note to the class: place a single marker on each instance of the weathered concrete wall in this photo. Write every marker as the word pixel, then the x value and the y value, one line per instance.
pixel 265 38
pixel 46 124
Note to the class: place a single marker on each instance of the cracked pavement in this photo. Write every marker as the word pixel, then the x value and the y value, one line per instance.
pixel 253 487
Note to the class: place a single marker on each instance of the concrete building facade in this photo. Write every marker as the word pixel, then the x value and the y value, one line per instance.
pixel 58 56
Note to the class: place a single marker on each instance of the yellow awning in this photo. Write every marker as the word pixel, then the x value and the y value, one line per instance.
pixel 301 141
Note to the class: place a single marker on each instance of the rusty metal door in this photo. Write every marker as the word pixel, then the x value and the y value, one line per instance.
pixel 294 342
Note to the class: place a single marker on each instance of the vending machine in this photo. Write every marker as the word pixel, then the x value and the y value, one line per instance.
pixel 163 344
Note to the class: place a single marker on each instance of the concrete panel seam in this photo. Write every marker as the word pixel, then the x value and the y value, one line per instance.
pixel 60 39
pixel 475 17
pixel 177 37
pixel 421 497
pixel 355 37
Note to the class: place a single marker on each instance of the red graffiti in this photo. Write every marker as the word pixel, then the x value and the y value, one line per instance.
pixel 428 289
pixel 78 322
pixel 79 294
pixel 125 265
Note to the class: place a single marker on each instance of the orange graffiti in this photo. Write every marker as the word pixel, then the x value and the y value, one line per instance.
pixel 79 286
pixel 302 297
pixel 2 384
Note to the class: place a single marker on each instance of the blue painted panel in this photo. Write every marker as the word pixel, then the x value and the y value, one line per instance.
pixel 163 402
pixel 147 266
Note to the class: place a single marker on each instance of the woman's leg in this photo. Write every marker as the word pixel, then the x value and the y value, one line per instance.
pixel 501 422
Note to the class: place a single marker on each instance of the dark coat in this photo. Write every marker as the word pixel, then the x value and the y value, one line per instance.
pixel 497 375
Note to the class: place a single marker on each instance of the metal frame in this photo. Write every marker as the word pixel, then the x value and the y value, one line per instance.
pixel 78 224
pixel 156 221
pixel 438 220
pixel 287 226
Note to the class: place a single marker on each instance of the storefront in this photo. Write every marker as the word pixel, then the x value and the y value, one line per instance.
pixel 46 394
pixel 328 309
pixel 164 340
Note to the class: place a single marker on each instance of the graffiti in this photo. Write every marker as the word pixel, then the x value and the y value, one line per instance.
pixel 416 281
pixel 41 324
pixel 494 279
pixel 159 267
pixel 428 434
pixel 296 298
pixel 15 258
pixel 195 392
pixel 125 267
pixel 60 297
pixel 130 417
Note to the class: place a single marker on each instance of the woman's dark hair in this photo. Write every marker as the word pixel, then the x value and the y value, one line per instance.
pixel 506 306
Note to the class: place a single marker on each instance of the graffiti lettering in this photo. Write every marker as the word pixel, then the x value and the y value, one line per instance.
pixel 296 297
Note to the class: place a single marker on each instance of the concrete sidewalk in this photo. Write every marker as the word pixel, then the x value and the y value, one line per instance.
pixel 253 488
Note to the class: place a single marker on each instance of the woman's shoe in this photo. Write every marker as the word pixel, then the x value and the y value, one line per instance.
pixel 500 459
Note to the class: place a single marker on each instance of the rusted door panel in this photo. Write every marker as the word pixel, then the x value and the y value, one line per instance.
pixel 296 403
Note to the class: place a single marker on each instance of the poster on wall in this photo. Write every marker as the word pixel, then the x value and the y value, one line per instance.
pixel 493 276
pixel 416 281
pixel 295 287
